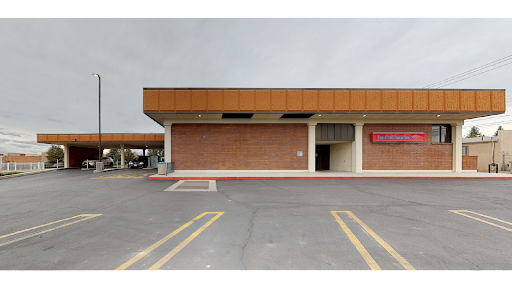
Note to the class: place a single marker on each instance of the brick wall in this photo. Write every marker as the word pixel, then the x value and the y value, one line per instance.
pixel 469 162
pixel 239 146
pixel 405 156
pixel 22 159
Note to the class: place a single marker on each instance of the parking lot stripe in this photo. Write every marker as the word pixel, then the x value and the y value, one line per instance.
pixel 383 243
pixel 173 252
pixel 87 217
pixel 162 241
pixel 366 256
pixel 460 212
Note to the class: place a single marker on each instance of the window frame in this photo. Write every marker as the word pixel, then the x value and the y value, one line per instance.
pixel 447 134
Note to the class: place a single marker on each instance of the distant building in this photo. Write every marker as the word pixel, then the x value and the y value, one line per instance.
pixel 20 158
pixel 496 149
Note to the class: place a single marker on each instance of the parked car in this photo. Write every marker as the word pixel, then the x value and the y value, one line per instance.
pixel 139 162
pixel 107 162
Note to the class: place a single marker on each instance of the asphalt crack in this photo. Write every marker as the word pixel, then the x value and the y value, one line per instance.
pixel 248 238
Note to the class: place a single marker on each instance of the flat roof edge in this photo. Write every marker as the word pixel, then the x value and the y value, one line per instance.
pixel 234 88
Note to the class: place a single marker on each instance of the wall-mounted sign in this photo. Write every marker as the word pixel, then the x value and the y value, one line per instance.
pixel 391 137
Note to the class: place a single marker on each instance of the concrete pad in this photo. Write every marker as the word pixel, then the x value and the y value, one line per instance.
pixel 193 185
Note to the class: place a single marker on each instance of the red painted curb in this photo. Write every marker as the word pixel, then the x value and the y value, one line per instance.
pixel 316 178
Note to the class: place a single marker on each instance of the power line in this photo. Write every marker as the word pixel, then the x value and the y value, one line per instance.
pixel 491 124
pixel 471 71
pixel 504 59
pixel 489 118
pixel 474 75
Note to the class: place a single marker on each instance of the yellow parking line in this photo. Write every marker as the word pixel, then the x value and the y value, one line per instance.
pixel 163 240
pixel 168 257
pixel 379 240
pixel 88 216
pixel 460 212
pixel 366 256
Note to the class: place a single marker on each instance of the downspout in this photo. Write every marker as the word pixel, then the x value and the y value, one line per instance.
pixel 493 149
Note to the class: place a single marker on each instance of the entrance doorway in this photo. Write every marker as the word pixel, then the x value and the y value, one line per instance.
pixel 322 157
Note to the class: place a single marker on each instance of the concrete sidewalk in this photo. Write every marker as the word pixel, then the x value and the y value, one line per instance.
pixel 230 175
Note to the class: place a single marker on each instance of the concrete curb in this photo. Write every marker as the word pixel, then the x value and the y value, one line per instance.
pixel 51 169
pixel 30 173
pixel 316 178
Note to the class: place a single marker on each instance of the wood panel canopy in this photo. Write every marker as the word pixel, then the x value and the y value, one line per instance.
pixel 182 100
pixel 108 141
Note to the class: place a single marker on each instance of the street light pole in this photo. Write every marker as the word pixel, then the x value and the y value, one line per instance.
pixel 99 115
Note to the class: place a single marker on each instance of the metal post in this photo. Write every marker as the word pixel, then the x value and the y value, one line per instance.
pixel 99 115
pixel 8 166
pixel 14 166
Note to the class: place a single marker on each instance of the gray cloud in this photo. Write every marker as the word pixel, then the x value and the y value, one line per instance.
pixel 14 134
pixel 47 86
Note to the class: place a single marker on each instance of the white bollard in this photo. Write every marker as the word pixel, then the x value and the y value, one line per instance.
pixel 14 166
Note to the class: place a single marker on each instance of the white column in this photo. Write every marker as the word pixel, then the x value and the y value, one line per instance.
pixel 122 156
pixel 311 147
pixel 457 148
pixel 66 156
pixel 167 143
pixel 357 149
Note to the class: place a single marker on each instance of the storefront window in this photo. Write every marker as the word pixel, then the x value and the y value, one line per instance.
pixel 441 133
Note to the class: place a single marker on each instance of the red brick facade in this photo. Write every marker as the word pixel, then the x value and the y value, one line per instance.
pixel 469 162
pixel 405 156
pixel 239 146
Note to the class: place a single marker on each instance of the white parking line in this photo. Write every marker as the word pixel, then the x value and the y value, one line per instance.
pixel 182 186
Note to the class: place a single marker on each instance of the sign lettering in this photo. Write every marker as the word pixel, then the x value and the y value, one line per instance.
pixel 403 137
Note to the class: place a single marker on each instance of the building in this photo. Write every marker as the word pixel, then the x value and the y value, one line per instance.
pixel 21 158
pixel 353 130
pixel 488 150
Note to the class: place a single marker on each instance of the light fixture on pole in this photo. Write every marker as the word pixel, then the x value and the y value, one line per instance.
pixel 99 115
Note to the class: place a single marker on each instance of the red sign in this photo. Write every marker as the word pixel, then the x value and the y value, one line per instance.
pixel 407 137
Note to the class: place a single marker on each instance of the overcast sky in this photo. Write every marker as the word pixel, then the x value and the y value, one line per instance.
pixel 46 84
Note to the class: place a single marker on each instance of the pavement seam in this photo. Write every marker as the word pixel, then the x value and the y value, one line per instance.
pixel 247 240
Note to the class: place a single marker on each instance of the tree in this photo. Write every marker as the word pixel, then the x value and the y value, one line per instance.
pixel 474 132
pixel 115 154
pixel 155 152
pixel 55 152
pixel 499 128
pixel 128 155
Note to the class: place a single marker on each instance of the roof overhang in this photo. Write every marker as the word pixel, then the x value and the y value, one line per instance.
pixel 209 104
pixel 108 141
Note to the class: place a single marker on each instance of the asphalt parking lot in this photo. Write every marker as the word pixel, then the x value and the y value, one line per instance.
pixel 120 220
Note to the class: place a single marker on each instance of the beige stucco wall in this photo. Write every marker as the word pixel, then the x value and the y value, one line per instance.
pixel 483 151
pixel 341 157
pixel 503 154
pixel 502 151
